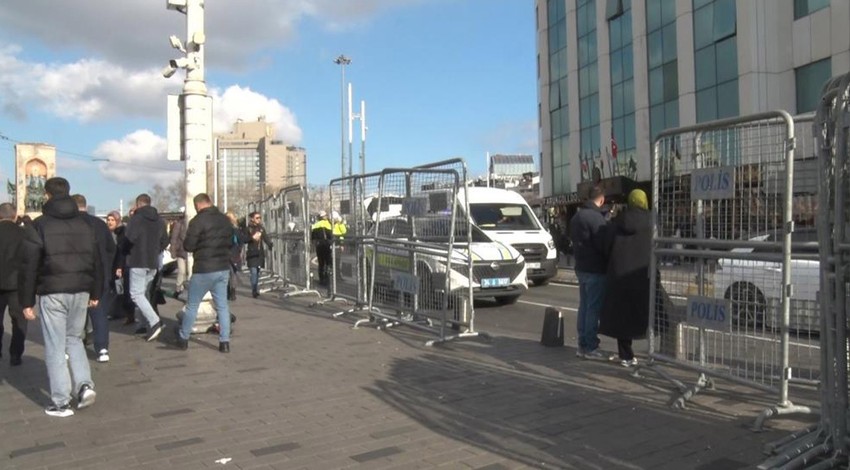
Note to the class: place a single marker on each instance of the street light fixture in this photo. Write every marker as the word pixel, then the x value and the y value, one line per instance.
pixel 342 60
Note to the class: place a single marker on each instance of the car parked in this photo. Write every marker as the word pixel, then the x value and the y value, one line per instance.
pixel 755 287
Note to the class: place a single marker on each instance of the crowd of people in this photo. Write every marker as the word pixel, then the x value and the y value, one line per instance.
pixel 612 256
pixel 75 272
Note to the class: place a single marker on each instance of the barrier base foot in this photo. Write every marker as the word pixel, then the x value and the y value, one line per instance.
pixel 295 293
pixel 808 449
pixel 460 336
pixel 780 410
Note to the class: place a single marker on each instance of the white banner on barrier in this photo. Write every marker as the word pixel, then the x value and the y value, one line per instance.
pixel 709 313
pixel 713 183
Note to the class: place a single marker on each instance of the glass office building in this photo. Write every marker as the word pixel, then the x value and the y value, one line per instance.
pixel 613 73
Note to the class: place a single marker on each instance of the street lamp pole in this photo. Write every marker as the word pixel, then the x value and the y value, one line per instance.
pixel 342 60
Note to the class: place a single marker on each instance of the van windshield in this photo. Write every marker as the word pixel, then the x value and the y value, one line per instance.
pixel 506 216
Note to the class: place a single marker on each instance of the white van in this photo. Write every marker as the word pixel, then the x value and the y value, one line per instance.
pixel 506 217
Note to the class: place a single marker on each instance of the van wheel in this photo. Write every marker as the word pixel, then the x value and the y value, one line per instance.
pixel 507 300
pixel 540 282
pixel 748 304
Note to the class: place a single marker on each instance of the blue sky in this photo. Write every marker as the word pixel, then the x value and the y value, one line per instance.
pixel 441 79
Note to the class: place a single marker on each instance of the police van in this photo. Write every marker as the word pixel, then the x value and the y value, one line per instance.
pixel 506 217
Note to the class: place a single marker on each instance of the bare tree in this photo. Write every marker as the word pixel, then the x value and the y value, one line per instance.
pixel 169 198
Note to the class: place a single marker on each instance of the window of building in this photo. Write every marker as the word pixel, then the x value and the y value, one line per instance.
pixel 807 7
pixel 716 59
pixel 622 90
pixel 809 81
pixel 588 82
pixel 558 88
pixel 663 65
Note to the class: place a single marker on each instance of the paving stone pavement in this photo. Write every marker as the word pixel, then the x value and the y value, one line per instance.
pixel 302 390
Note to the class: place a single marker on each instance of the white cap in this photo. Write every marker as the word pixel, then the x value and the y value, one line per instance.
pixel 336 216
pixel 323 214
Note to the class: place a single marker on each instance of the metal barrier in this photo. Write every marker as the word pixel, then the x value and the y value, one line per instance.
pixel 269 278
pixel 827 444
pixel 419 264
pixel 348 201
pixel 723 196
pixel 293 249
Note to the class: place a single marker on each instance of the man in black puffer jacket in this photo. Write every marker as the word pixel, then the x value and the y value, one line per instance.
pixel 11 259
pixel 62 265
pixel 145 239
pixel 209 238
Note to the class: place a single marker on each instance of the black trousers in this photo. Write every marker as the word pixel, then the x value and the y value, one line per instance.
pixel 325 258
pixel 624 349
pixel 9 299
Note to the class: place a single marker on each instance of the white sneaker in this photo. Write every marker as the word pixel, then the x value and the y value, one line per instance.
pixel 103 356
pixel 633 362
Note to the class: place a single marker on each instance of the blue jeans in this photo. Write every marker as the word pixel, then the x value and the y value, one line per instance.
pixel 255 278
pixel 199 284
pixel 140 283
pixel 63 317
pixel 591 292
pixel 99 319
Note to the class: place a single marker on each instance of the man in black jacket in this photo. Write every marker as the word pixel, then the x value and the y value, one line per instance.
pixel 11 238
pixel 145 239
pixel 209 239
pixel 589 237
pixel 255 253
pixel 62 265
pixel 106 247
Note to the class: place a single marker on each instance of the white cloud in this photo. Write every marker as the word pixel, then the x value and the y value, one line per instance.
pixel 85 90
pixel 132 32
pixel 242 103
pixel 137 157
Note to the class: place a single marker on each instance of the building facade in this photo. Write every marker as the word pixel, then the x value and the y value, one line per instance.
pixel 252 163
pixel 614 73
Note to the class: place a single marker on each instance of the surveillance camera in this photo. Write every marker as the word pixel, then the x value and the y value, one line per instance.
pixel 169 70
pixel 199 38
pixel 175 4
pixel 179 63
pixel 177 43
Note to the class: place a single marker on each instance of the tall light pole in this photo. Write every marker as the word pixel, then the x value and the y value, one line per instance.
pixel 195 115
pixel 342 60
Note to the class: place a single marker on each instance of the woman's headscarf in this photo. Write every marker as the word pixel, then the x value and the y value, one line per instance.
pixel 637 198
pixel 115 215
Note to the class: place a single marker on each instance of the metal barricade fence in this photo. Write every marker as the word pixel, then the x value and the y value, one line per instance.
pixel 721 282
pixel 294 237
pixel 827 444
pixel 419 266
pixel 268 277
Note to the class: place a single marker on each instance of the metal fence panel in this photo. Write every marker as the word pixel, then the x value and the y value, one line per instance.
pixel 723 243
pixel 294 238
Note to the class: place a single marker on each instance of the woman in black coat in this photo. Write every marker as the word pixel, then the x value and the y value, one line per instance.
pixel 625 311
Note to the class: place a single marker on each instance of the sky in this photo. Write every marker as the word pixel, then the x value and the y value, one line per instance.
pixel 440 78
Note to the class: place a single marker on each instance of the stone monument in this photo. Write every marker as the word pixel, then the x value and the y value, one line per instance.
pixel 34 164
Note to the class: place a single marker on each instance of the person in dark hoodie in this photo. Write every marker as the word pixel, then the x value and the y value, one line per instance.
pixel 588 231
pixel 625 311
pixel 62 265
pixel 11 259
pixel 106 245
pixel 145 238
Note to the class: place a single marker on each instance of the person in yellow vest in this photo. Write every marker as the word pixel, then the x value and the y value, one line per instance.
pixel 339 227
pixel 321 234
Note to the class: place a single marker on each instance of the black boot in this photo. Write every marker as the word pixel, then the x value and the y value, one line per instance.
pixel 224 347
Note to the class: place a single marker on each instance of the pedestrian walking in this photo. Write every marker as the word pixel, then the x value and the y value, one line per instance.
pixel 321 234
pixel 209 238
pixel 588 232
pixel 255 253
pixel 122 305
pixel 106 247
pixel 178 235
pixel 62 265
pixel 144 241
pixel 11 260
pixel 240 239
pixel 625 311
